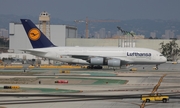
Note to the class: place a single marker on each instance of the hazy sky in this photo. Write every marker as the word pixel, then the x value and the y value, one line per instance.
pixel 94 9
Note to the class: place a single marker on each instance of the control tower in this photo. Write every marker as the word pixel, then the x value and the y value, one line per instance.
pixel 44 23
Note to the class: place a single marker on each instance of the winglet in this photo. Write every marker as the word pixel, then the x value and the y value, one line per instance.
pixel 36 37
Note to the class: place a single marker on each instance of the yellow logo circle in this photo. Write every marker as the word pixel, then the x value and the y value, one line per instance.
pixel 34 34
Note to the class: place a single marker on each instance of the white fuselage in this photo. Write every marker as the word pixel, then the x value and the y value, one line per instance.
pixel 128 55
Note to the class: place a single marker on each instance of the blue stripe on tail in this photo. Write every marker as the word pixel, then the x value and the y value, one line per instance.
pixel 36 37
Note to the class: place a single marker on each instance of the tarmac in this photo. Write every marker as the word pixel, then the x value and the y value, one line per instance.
pixel 90 88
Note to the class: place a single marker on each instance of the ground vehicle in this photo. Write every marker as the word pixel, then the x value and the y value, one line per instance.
pixel 61 81
pixel 155 97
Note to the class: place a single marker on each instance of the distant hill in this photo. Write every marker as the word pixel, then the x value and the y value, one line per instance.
pixel 139 26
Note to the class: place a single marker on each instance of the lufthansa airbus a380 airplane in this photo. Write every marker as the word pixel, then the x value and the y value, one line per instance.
pixel 92 56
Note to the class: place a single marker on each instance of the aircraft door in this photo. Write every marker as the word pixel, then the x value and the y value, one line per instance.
pixel 153 57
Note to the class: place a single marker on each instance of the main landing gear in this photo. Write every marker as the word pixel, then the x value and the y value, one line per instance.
pixel 94 67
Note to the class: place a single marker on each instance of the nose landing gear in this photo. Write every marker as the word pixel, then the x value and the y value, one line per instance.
pixel 156 67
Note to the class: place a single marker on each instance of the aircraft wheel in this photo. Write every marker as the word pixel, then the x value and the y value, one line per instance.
pixel 147 100
pixel 164 100
pixel 88 67
pixel 97 67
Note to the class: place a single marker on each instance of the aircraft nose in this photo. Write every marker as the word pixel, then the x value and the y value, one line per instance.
pixel 164 59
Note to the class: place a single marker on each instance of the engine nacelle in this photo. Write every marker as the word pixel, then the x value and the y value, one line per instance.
pixel 104 61
pixel 114 62
pixel 96 61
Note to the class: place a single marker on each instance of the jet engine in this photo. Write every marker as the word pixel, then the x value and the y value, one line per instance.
pixel 96 61
pixel 104 61
pixel 114 62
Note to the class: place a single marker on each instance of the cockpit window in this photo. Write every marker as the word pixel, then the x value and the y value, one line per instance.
pixel 161 55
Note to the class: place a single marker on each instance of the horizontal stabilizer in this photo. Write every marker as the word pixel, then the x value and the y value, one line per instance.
pixel 34 51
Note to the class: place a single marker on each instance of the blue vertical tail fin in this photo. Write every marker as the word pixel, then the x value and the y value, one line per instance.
pixel 36 37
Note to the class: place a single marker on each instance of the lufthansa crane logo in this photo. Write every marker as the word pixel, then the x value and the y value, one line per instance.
pixel 34 34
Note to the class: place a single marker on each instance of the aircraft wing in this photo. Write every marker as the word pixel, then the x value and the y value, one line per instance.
pixel 124 60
